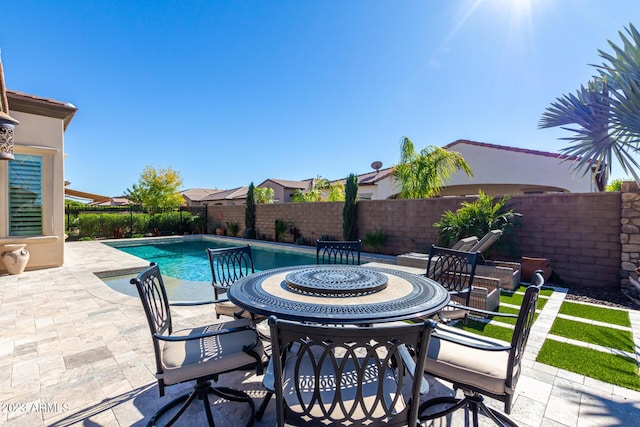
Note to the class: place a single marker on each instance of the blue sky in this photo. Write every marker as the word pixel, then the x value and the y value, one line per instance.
pixel 229 92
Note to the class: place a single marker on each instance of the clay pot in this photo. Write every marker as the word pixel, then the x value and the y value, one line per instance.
pixel 15 257
pixel 529 265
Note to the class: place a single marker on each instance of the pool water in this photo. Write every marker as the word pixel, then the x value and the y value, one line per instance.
pixel 185 266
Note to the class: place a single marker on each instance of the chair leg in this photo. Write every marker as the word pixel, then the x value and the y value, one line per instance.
pixel 263 405
pixel 473 401
pixel 200 390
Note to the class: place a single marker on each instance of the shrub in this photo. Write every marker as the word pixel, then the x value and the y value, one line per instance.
pixel 477 218
pixel 375 240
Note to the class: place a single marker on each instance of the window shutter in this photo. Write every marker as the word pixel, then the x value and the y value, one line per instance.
pixel 25 196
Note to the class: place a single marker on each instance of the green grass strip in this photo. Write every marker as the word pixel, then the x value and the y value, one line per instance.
pixel 486 329
pixel 607 367
pixel 600 335
pixel 601 314
pixel 516 299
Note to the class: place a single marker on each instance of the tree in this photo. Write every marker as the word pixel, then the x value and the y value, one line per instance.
pixel 606 112
pixel 350 209
pixel 321 191
pixel 250 214
pixel 424 175
pixel 157 189
pixel 263 195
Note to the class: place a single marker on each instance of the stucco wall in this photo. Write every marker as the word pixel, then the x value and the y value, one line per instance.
pixel 43 136
pixel 579 233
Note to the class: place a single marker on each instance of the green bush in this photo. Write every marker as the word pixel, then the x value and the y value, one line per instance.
pixel 477 218
pixel 101 225
pixel 375 240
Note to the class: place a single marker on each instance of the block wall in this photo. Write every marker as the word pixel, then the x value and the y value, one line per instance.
pixel 579 233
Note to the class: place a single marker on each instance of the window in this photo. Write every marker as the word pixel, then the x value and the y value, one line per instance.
pixel 25 196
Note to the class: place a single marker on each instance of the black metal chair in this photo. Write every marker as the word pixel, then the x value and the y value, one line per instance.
pixel 455 271
pixel 227 266
pixel 338 252
pixel 325 375
pixel 479 366
pixel 198 354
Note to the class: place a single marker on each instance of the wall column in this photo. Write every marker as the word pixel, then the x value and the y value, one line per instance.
pixel 630 240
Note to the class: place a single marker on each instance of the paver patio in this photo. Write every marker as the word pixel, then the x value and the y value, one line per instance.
pixel 75 352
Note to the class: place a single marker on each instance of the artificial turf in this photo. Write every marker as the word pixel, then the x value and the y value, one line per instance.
pixel 601 314
pixel 594 334
pixel 607 367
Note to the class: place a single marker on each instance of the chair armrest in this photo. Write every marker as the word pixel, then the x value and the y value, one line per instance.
pixel 268 381
pixel 480 344
pixel 478 310
pixel 410 365
pixel 224 331
pixel 191 303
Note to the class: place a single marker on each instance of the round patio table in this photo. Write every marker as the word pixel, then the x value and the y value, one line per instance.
pixel 337 294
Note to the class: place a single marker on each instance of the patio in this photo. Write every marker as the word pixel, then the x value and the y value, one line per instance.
pixel 74 352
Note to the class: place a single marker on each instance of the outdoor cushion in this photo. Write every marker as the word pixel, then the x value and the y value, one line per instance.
pixel 185 360
pixel 227 308
pixel 467 365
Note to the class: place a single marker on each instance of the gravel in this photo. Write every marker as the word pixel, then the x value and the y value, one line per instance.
pixel 610 298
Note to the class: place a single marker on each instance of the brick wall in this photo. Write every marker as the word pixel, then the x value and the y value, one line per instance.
pixel 579 233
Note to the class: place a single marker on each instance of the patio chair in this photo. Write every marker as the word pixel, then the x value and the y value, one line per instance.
pixel 455 271
pixel 227 266
pixel 465 244
pixel 479 366
pixel 197 354
pixel 486 242
pixel 338 252
pixel 329 376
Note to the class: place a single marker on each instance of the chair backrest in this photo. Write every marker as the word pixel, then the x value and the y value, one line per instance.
pixel 156 306
pixel 328 375
pixel 338 252
pixel 229 265
pixel 465 244
pixel 487 240
pixel 453 269
pixel 520 336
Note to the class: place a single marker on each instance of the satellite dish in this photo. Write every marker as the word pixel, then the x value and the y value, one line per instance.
pixel 376 165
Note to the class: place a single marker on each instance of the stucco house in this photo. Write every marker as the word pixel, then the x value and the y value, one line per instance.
pixel 500 170
pixel 32 185
pixel 283 189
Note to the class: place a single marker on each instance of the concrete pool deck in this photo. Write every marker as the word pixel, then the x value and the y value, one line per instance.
pixel 75 352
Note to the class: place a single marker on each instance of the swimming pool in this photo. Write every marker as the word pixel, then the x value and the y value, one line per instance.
pixel 185 266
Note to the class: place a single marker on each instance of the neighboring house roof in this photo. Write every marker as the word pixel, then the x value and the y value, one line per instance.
pixel 371 178
pixel 302 185
pixel 508 148
pixel 31 104
pixel 197 194
pixel 233 194
pixel 114 201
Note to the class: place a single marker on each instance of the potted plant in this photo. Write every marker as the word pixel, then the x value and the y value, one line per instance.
pixel 233 228
pixel 219 230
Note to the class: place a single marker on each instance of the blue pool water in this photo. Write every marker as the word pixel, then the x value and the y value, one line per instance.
pixel 185 266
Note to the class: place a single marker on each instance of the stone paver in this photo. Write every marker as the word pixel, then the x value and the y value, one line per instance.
pixel 75 352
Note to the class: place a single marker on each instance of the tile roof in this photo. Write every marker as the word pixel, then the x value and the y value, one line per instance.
pixel 289 184
pixel 197 194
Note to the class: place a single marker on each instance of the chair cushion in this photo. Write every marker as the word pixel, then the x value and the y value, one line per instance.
pixel 329 394
pixel 187 360
pixel 227 308
pixel 483 369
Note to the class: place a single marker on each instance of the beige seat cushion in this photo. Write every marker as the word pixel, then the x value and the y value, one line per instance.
pixel 187 360
pixel 227 308
pixel 348 392
pixel 486 370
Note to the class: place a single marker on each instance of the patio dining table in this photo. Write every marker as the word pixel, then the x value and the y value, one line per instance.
pixel 339 294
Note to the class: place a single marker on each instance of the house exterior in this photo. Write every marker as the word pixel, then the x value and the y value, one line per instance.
pixel 377 185
pixel 213 197
pixel 501 170
pixel 283 189
pixel 32 185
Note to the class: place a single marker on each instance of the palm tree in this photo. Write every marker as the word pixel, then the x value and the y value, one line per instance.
pixel 424 174
pixel 606 112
